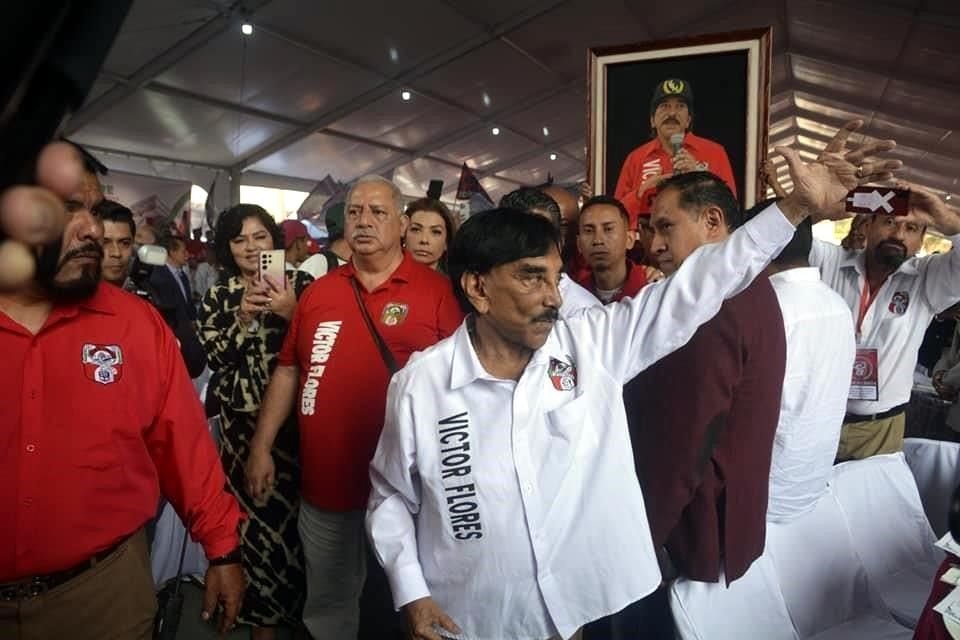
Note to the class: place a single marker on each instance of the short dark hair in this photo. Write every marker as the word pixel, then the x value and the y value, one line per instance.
pixel 699 189
pixel 229 226
pixel 170 241
pixel 530 198
pixel 609 201
pixel 110 211
pixel 495 237
pixel 798 249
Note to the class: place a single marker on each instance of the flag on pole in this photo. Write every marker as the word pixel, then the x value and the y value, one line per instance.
pixel 469 185
pixel 209 209
pixel 319 198
pixel 470 189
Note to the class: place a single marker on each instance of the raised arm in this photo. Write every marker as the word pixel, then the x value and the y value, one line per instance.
pixel 941 273
pixel 635 333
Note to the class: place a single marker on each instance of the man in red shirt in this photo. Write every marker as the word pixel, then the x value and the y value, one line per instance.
pixel 604 240
pixel 333 372
pixel 673 149
pixel 99 418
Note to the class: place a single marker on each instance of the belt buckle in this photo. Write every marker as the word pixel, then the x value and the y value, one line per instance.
pixel 37 587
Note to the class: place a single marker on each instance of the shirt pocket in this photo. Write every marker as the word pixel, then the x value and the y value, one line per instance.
pixel 567 442
pixel 572 425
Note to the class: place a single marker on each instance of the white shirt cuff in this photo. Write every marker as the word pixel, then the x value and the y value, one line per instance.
pixel 770 229
pixel 407 584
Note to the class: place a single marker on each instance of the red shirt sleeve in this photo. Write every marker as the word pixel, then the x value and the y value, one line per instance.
pixel 627 185
pixel 188 466
pixel 720 166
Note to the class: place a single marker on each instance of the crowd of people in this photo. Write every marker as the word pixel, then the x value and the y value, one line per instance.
pixel 523 426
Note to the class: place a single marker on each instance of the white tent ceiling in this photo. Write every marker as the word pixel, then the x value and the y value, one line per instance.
pixel 316 89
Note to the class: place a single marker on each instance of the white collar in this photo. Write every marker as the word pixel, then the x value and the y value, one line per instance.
pixel 797 274
pixel 466 366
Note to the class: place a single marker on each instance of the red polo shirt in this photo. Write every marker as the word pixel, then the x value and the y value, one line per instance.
pixel 343 379
pixel 97 417
pixel 636 280
pixel 651 158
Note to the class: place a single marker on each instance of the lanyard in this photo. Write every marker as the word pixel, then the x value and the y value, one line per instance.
pixel 865 301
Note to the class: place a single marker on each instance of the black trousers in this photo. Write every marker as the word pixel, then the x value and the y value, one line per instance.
pixel 378 620
pixel 647 619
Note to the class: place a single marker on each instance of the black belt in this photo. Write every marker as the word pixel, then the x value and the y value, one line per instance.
pixel 889 413
pixel 39 585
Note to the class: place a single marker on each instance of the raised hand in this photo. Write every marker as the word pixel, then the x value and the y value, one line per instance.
pixel 821 186
pixel 932 210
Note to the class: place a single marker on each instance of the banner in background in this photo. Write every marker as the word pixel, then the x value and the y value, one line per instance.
pixel 150 199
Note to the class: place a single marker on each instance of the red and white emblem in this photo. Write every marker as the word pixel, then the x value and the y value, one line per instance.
pixel 102 363
pixel 899 303
pixel 562 374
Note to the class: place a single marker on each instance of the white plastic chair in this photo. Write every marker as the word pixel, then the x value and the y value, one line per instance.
pixel 752 607
pixel 936 468
pixel 883 512
pixel 824 585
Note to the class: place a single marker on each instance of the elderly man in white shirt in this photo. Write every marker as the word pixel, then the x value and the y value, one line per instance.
pixel 892 296
pixel 505 504
pixel 820 351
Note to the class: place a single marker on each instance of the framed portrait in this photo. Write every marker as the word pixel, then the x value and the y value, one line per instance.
pixel 701 102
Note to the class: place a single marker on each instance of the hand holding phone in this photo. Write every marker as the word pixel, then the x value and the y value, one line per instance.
pixel 272 265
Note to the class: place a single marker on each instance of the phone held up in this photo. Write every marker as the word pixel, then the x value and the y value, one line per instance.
pixel 272 265
pixel 878 201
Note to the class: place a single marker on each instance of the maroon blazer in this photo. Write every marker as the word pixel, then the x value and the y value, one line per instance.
pixel 702 421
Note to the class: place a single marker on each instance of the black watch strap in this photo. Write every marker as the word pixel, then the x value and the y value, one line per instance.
pixel 234 557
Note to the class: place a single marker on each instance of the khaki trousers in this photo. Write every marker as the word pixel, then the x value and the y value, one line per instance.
pixel 859 440
pixel 113 600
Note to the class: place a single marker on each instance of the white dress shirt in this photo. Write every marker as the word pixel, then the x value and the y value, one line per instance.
pixel 574 297
pixel 515 504
pixel 317 265
pixel 899 314
pixel 820 351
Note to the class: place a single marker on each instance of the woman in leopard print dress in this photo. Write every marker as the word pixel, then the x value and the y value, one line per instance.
pixel 242 325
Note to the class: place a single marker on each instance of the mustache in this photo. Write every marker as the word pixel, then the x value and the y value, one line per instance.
pixel 893 243
pixel 90 249
pixel 550 315
pixel 672 119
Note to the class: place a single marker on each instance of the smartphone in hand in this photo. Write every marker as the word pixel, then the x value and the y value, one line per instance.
pixel 272 264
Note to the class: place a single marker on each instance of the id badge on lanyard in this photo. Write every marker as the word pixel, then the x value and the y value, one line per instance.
pixel 865 381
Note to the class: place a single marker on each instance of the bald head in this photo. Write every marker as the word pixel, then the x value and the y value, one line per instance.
pixel 569 207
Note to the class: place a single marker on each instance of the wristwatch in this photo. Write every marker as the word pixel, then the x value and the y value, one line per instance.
pixel 234 557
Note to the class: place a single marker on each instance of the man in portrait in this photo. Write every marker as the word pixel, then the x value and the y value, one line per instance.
pixel 673 149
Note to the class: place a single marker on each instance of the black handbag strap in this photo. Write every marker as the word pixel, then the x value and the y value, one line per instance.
pixel 388 358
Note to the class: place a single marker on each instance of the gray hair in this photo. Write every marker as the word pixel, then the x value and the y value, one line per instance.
pixel 375 179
